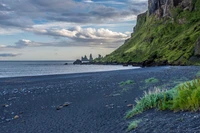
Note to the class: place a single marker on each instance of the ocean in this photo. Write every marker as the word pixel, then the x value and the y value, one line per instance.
pixel 36 68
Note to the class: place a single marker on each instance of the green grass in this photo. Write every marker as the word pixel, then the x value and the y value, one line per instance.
pixel 161 39
pixel 183 97
pixel 188 97
pixel 133 124
pixel 151 80
pixel 151 99
pixel 128 82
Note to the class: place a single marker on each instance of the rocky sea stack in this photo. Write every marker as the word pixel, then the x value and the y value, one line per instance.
pixel 168 33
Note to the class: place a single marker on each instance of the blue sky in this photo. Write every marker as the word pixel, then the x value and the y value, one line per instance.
pixel 65 29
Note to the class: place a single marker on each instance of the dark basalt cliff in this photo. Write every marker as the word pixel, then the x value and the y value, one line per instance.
pixel 167 33
pixel 161 8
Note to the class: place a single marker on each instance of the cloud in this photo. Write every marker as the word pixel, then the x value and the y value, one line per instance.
pixel 80 35
pixel 23 13
pixel 88 1
pixel 105 2
pixel 9 31
pixel 8 55
pixel 77 36
pixel 57 18
pixel 138 6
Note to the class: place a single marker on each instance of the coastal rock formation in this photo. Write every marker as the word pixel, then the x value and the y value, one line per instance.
pixel 77 62
pixel 166 34
pixel 161 8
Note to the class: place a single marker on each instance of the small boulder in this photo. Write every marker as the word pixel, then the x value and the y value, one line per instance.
pixel 16 117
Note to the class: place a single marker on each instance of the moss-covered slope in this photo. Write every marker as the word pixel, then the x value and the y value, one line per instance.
pixel 172 39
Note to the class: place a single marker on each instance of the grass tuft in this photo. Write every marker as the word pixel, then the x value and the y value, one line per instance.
pixel 128 82
pixel 151 80
pixel 133 125
pixel 184 97
pixel 188 97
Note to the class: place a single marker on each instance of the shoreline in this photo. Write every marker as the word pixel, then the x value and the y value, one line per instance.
pixel 98 101
pixel 62 70
pixel 65 74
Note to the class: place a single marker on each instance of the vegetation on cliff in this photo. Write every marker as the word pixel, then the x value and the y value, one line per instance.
pixel 160 40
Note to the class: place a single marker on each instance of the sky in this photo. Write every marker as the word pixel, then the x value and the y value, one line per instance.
pixel 65 29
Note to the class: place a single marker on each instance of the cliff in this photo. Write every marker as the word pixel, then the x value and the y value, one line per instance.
pixel 168 33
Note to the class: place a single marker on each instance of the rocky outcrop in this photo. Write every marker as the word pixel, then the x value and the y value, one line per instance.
pixel 141 19
pixel 161 8
pixel 77 62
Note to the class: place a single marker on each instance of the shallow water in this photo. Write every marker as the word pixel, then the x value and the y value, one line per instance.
pixel 34 68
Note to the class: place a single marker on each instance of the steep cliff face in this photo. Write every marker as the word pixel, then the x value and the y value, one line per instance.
pixel 161 8
pixel 168 33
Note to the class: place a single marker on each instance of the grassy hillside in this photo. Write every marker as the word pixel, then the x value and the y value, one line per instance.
pixel 169 39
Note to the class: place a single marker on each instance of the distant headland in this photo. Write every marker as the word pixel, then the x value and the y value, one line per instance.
pixel 86 60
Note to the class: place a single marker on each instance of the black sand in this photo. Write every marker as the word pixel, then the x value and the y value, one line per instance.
pixel 97 102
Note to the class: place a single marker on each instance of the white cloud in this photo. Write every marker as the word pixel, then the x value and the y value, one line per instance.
pixel 88 34
pixel 88 37
pixel 88 1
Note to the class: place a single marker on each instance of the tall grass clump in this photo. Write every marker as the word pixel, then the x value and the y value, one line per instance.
pixel 151 99
pixel 184 97
pixel 188 97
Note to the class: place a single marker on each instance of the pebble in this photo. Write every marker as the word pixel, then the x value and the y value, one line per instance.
pixel 130 105
pixel 8 120
pixel 5 105
pixel 59 107
pixel 66 104
pixel 12 98
pixel 16 117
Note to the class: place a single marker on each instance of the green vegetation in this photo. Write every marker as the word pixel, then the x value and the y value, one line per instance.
pixel 151 80
pixel 188 97
pixel 198 74
pixel 151 99
pixel 184 97
pixel 170 39
pixel 128 82
pixel 133 125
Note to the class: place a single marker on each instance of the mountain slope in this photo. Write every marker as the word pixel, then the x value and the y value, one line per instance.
pixel 168 33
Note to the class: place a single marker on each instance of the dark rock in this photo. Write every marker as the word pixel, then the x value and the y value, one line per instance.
pixel 5 105
pixel 151 62
pixel 125 64
pixel 66 64
pixel 77 62
pixel 59 107
pixel 161 8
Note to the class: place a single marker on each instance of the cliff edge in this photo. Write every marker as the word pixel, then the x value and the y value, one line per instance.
pixel 167 33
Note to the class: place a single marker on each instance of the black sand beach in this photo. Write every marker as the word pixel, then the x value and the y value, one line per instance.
pixel 98 102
